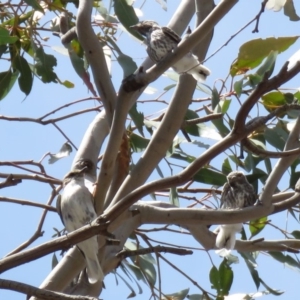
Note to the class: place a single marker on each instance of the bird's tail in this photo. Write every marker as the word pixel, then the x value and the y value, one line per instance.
pixel 94 270
pixel 226 235
pixel 199 73
pixel 90 250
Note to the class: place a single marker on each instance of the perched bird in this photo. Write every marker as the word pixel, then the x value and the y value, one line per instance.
pixel 237 193
pixel 161 41
pixel 76 209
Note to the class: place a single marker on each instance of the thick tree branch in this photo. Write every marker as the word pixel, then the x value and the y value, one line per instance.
pixel 30 290
pixel 95 56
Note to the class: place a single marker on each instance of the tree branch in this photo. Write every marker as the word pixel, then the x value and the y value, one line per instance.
pixel 30 290
pixel 127 253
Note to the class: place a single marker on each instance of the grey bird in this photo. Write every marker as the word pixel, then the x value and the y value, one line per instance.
pixel 237 193
pixel 76 209
pixel 161 41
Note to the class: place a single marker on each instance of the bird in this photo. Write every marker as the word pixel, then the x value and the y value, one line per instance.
pixel 76 209
pixel 161 41
pixel 237 193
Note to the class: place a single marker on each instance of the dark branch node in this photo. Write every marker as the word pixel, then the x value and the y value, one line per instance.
pixel 131 84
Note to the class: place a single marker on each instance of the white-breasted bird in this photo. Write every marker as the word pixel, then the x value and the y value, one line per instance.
pixel 161 41
pixel 237 193
pixel 76 209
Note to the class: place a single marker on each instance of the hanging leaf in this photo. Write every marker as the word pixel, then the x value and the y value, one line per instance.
pixel 251 264
pixel 226 277
pixel 252 53
pixel 256 226
pixel 209 176
pixel 178 296
pixel 44 64
pixel 64 151
pixel 6 38
pixel 174 197
pixel 127 16
pixel 289 10
pixel 25 79
pixel 138 143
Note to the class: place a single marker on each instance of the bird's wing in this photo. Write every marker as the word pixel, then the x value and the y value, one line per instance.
pixel 225 191
pixel 58 207
pixel 172 34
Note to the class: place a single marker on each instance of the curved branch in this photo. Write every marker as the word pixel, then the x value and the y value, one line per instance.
pixel 30 290
pixel 251 147
pixel 276 245
pixel 95 56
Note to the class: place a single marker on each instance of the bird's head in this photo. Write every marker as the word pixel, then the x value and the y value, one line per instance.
pixel 144 27
pixel 74 174
pixel 236 178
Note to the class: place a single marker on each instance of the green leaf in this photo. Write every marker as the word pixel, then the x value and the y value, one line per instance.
pixel 159 171
pixel 64 151
pixel 218 123
pixel 7 80
pixel 251 264
pixel 25 79
pixel 104 13
pixel 238 87
pixel 226 168
pixel 54 261
pixel 44 65
pixel 127 63
pixel 268 65
pixel 273 292
pixel 137 118
pixel 5 37
pixel 196 297
pixel 296 234
pixel 252 53
pixel 276 137
pixel 179 295
pixel 148 269
pixel 214 278
pixel 127 16
pixel 168 87
pixel 191 129
pixel 3 49
pixel 35 5
pixel 138 143
pixel 226 277
pixel 209 176
pixel 285 259
pixel 135 270
pixel 273 100
pixel 289 10
pixel 215 98
pixel 132 294
pixel 256 226
pixel 68 84
pixel 173 198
